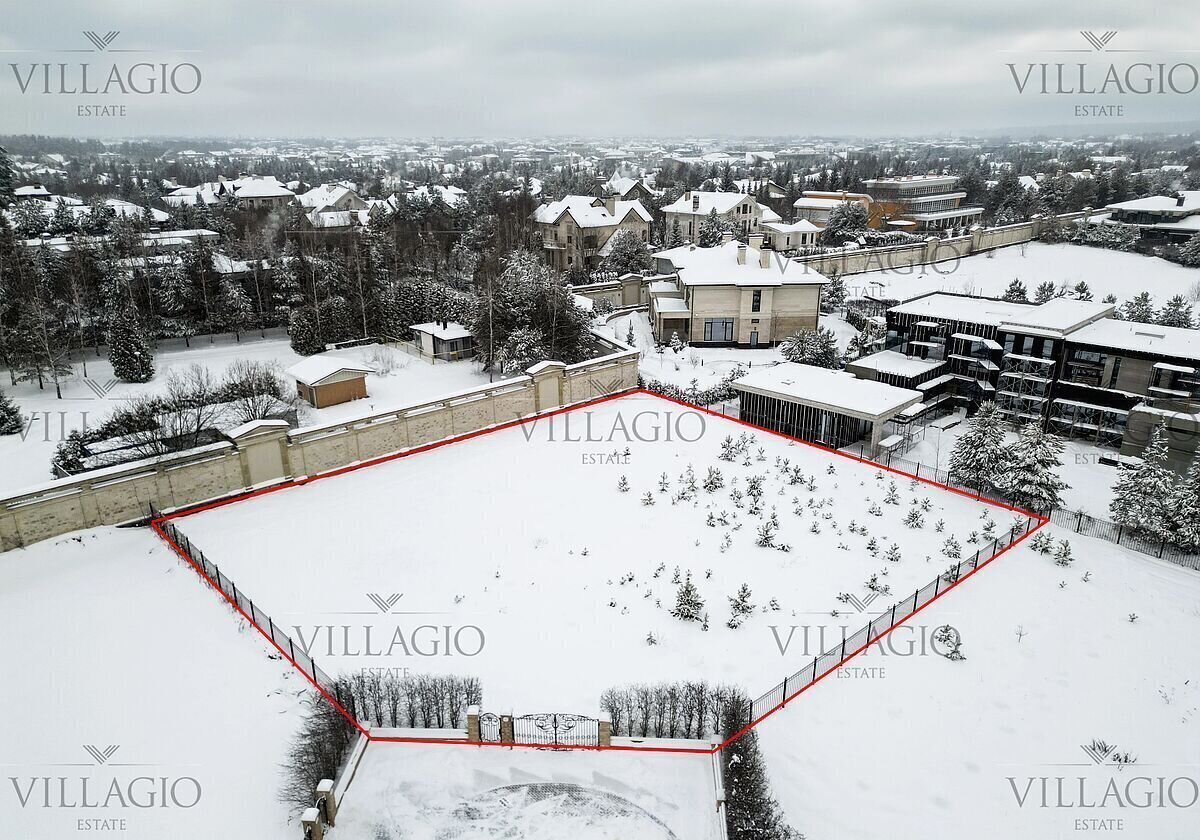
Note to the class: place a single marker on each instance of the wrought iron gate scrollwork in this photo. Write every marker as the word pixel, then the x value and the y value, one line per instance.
pixel 557 730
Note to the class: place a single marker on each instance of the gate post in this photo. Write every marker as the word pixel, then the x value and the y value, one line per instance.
pixel 605 729
pixel 314 829
pixel 506 730
pixel 473 733
pixel 327 799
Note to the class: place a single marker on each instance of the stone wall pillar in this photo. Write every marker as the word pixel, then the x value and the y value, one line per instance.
pixel 548 380
pixel 262 449
pixel 506 730
pixel 931 249
pixel 605 729
pixel 310 821
pixel 1036 222
pixel 473 733
pixel 325 791
pixel 976 238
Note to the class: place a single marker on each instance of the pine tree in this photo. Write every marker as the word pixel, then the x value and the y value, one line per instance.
pixel 6 178
pixel 129 352
pixel 1185 509
pixel 833 293
pixel 1142 493
pixel 711 230
pixel 1189 254
pixel 1176 312
pixel 627 254
pixel 1082 291
pixel 689 606
pixel 11 421
pixel 1139 308
pixel 812 347
pixel 1062 554
pixel 1016 292
pixel 739 608
pixel 979 452
pixel 1029 478
pixel 1045 291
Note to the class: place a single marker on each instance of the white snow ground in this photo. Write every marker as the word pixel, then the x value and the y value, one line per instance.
pixel 112 640
pixel 988 274
pixel 925 748
pixel 27 457
pixel 435 792
pixel 518 534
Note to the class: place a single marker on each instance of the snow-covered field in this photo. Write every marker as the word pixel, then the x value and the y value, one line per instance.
pixel 988 274
pixel 115 643
pixel 26 458
pixel 927 747
pixel 522 538
pixel 430 792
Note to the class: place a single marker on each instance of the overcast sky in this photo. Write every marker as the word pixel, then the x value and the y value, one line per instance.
pixel 456 68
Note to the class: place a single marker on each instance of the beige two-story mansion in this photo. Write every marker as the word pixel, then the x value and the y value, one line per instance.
pixel 577 231
pixel 732 294
pixel 738 212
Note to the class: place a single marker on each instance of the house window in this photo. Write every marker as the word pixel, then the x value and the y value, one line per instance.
pixel 756 301
pixel 718 329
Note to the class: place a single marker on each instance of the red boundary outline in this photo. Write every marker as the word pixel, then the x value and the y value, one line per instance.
pixel 157 522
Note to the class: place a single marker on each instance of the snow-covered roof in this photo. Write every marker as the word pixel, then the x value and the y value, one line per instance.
pixel 1162 204
pixel 450 196
pixel 719 266
pixel 802 226
pixel 946 307
pixel 1058 316
pixel 893 362
pixel 589 212
pixel 260 188
pixel 316 369
pixel 31 191
pixel 446 331
pixel 722 202
pixel 324 195
pixel 1175 342
pixel 837 390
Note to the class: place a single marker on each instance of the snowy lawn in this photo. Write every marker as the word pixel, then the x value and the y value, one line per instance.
pixel 27 457
pixel 522 538
pixel 925 747
pixel 988 274
pixel 115 641
pixel 428 792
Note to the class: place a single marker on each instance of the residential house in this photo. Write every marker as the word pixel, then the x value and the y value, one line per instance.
pixel 738 212
pixel 732 294
pixel 577 231
pixel 1173 217
pixel 814 206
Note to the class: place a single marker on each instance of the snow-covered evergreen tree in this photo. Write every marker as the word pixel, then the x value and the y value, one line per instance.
pixel 628 254
pixel 710 231
pixel 1176 312
pixel 1142 493
pixel 1016 291
pixel 1184 509
pixel 1045 291
pixel 1139 308
pixel 979 452
pixel 1189 254
pixel 129 352
pixel 1082 291
pixel 11 421
pixel 1062 554
pixel 689 606
pixel 739 608
pixel 750 811
pixel 1030 478
pixel 812 347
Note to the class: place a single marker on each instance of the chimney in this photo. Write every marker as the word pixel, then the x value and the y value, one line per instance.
pixel 600 182
pixel 610 204
pixel 756 241
pixel 695 203
pixel 741 254
pixel 764 257
pixel 1179 201
pixel 726 237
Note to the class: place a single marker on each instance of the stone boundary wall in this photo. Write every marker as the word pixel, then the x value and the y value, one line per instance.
pixel 267 452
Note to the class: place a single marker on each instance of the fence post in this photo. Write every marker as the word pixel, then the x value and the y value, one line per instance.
pixel 784 703
pixel 937 584
pixel 917 592
pixel 893 623
pixel 1079 522
pixel 1162 548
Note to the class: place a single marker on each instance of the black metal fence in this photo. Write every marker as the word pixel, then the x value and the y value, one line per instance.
pixel 927 472
pixel 1090 526
pixel 849 645
pixel 263 621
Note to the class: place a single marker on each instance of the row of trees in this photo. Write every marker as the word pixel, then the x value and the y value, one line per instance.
pixel 1150 499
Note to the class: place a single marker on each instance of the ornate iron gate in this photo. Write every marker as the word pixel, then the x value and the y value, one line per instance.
pixel 556 730
pixel 489 727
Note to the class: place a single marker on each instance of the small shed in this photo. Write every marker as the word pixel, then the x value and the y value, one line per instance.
pixel 324 380
pixel 445 340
